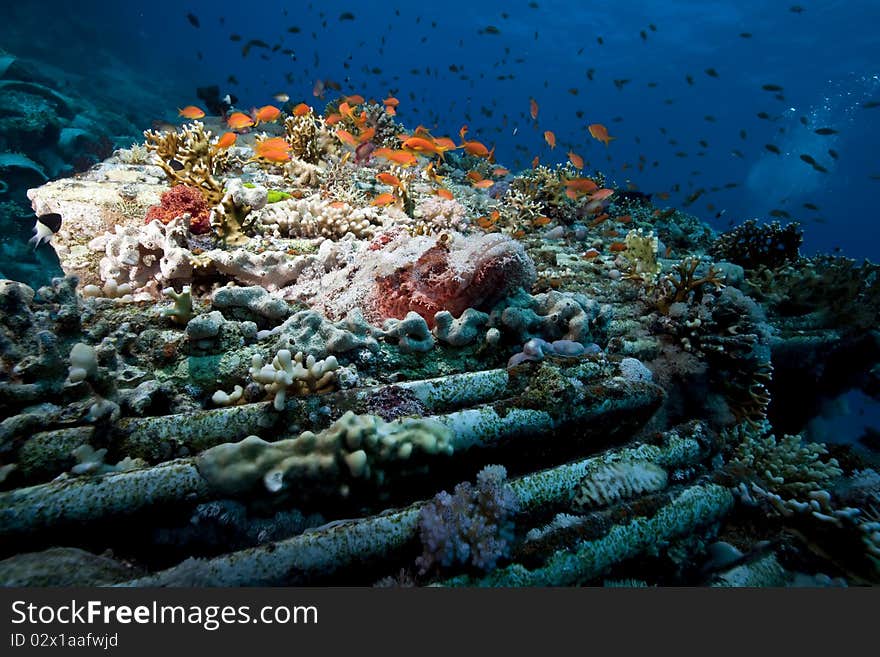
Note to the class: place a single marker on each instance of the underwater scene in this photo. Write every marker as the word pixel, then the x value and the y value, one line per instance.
pixel 332 293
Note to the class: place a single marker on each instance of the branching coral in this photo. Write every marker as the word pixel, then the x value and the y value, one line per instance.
pixel 309 139
pixel 187 158
pixel 684 283
pixel 299 374
pixel 787 466
pixel 641 254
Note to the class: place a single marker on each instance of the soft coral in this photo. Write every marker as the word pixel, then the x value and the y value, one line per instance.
pixel 180 200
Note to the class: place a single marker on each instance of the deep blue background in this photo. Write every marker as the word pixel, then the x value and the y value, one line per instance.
pixel 826 57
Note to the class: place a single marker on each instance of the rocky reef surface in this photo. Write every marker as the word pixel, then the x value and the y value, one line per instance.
pixel 325 367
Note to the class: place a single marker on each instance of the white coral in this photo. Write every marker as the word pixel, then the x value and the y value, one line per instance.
pixel 300 374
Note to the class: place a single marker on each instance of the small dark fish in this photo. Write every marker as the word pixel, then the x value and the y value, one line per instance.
pixel 771 87
pixel 780 98
pixel 780 214
pixel 704 143
pixel 644 35
pixel 689 78
pixel 711 72
pixel 763 115
pixel 600 40
pixel 874 176
pixel 293 29
pixel 620 82
pixel 652 27
pixel 825 131
pixel 52 221
pixel 820 168
pixel 253 43
pixel 193 20
pixel 832 153
pixel 737 153
pixel 489 29
pixel 346 16
pixel 235 37
pixel 803 120
pixel 177 166
pixel 870 104
pixel 709 118
pixel 232 79
pixel 693 197
pixel 772 149
pixel 811 206
pixel 746 35
pixel 742 134
pixel 730 185
pixel 808 159
pixel 796 9
pixel 590 73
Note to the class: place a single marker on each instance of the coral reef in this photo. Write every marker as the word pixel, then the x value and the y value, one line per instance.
pixel 268 370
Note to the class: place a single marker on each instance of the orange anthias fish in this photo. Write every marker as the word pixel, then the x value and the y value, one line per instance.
pixel 191 112
pixel 267 114
pixel 533 108
pixel 383 199
pixel 475 176
pixel 239 120
pixel 301 110
pixel 600 132
pixel 500 171
pixel 463 131
pixel 581 185
pixel 388 179
pixel 346 138
pixel 601 195
pixel 391 101
pixel 444 193
pixel 356 99
pixel 272 144
pixel 333 119
pixel 366 135
pixel 535 161
pixel 226 140
pixel 402 158
pixel 550 138
pixel 483 184
pixel 576 160
pixel 475 148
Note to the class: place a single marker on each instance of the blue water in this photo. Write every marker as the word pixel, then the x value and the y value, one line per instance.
pixel 825 56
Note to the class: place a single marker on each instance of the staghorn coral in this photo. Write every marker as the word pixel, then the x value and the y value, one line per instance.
pixel 684 284
pixel 187 158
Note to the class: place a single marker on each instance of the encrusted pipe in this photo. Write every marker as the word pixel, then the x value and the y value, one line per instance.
pixel 40 507
pixel 159 438
pixel 81 499
pixel 320 552
pixel 694 507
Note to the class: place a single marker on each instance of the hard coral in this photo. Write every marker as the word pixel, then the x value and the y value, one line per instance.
pixel 449 278
pixel 180 200
pixel 751 245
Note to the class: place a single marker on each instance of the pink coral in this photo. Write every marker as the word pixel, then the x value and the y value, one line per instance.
pixel 472 273
pixel 181 200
